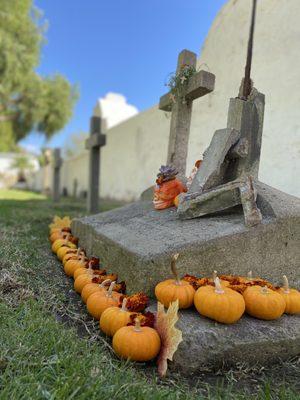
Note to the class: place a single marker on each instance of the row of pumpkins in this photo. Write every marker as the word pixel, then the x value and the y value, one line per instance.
pixel 223 299
pixel 120 317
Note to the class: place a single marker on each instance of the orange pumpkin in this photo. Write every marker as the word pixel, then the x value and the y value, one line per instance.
pixel 100 301
pixel 82 270
pixel 114 318
pixel 175 289
pixel 62 242
pixel 136 343
pixel 91 288
pixel 72 265
pixel 291 297
pixel 264 303
pixel 219 303
pixel 72 254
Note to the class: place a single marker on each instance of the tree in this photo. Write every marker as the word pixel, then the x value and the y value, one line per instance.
pixel 27 100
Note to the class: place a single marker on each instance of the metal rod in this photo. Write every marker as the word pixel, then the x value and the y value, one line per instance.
pixel 247 79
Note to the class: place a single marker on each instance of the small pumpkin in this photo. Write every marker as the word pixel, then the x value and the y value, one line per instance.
pixel 62 242
pixel 91 288
pixel 59 234
pixel 137 343
pixel 114 318
pixel 264 303
pixel 291 297
pixel 72 254
pixel 219 303
pixel 175 289
pixel 100 301
pixel 83 270
pixel 72 265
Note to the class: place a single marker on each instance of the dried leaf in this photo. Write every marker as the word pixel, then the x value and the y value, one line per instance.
pixel 169 335
pixel 61 223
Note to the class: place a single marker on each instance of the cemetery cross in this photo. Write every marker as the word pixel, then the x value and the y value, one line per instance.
pixel 94 144
pixel 198 85
pixel 57 163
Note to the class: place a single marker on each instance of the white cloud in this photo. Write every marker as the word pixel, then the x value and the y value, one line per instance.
pixel 114 109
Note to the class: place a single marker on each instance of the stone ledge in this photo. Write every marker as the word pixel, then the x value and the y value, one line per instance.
pixel 136 242
pixel 250 341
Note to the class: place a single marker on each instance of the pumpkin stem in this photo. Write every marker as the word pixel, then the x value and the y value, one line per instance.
pixel 218 287
pixel 264 289
pixel 103 284
pixel 174 269
pixel 137 325
pixel 124 302
pixel 214 275
pixel 286 286
pixel 249 276
pixel 111 287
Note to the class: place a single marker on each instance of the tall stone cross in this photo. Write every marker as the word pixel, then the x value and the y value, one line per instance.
pixel 198 85
pixel 57 163
pixel 94 144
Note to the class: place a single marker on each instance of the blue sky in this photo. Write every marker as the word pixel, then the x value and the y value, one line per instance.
pixel 124 46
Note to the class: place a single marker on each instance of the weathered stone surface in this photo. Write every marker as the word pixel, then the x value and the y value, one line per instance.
pixel 211 173
pixel 136 241
pixel 250 341
pixel 233 155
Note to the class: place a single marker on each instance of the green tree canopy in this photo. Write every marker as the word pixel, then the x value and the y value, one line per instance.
pixel 27 100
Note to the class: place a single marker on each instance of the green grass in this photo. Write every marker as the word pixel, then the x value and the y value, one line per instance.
pixel 51 349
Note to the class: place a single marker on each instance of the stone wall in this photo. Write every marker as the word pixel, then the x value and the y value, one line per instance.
pixel 137 147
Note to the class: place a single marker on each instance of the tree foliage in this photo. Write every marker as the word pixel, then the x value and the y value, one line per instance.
pixel 27 100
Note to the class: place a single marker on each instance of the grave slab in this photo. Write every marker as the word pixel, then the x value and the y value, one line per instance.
pixel 250 341
pixel 137 242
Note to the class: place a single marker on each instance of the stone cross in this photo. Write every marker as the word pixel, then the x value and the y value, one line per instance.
pixel 93 144
pixel 57 163
pixel 75 186
pixel 198 85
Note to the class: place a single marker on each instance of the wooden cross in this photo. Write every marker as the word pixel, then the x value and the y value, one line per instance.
pixel 93 144
pixel 198 85
pixel 57 163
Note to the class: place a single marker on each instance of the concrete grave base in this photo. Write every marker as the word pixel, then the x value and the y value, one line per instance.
pixel 137 242
pixel 250 341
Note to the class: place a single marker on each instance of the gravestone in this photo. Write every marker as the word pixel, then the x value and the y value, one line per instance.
pixel 137 243
pixel 94 144
pixel 57 163
pixel 198 85
pixel 229 170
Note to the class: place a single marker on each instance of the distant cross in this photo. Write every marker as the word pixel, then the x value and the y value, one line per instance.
pixel 75 186
pixel 57 163
pixel 94 144
pixel 198 85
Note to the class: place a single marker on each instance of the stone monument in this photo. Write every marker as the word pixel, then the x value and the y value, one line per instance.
pixel 137 242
